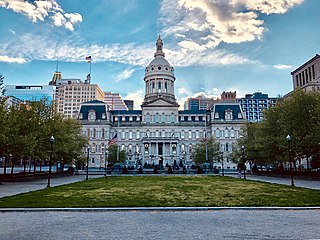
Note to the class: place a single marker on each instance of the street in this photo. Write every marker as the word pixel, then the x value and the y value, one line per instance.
pixel 221 224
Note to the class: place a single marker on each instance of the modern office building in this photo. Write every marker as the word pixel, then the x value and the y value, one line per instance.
pixel 160 132
pixel 253 105
pixel 11 101
pixel 115 101
pixel 129 104
pixel 30 92
pixel 69 97
pixel 307 76
pixel 198 103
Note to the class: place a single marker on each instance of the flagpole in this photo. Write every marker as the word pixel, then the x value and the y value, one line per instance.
pixel 90 70
pixel 118 137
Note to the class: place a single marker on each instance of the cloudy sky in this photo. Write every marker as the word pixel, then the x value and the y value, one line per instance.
pixel 214 45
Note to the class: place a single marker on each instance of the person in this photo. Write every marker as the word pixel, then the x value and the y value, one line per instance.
pixel 184 171
pixel 239 168
pixel 140 171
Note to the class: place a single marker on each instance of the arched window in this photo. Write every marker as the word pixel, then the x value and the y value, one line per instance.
pixel 190 134
pixel 172 117
pixel 123 135
pixel 197 134
pixel 147 117
pixel 165 87
pixel 218 133
pixel 157 133
pixel 130 134
pixel 182 134
pixel 157 117
pixel 138 135
pixel 232 133
pixel 226 133
pixel 153 87
pixel 159 86
pixel 163 117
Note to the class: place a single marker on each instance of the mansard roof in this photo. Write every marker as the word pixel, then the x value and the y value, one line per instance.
pixel 99 107
pixel 221 109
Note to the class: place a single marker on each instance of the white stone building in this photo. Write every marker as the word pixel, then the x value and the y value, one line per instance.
pixel 159 131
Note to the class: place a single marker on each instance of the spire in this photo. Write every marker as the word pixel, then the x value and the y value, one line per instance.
pixel 159 45
pixel 57 68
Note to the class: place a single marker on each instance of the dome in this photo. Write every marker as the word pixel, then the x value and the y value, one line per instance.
pixel 159 61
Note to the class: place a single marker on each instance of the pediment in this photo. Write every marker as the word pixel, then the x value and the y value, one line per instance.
pixel 160 102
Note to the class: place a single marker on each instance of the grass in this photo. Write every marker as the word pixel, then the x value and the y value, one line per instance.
pixel 166 191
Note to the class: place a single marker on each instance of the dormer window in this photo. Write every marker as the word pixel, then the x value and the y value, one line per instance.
pixel 103 116
pixel 92 115
pixel 216 115
pixel 239 115
pixel 228 115
pixel 80 116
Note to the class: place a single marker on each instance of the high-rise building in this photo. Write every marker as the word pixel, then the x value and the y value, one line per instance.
pixel 253 105
pixel 198 103
pixel 307 76
pixel 129 104
pixel 30 92
pixel 69 97
pixel 115 101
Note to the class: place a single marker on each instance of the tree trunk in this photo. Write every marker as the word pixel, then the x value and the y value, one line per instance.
pixel 5 166
pixel 34 166
pixel 24 165
pixel 12 167
pixel 40 165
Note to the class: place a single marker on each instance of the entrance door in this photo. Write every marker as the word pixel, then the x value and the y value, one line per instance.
pixel 160 149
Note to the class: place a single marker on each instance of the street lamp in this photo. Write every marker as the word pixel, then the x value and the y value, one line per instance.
pixel 88 150
pixel 244 165
pixel 51 152
pixel 222 163
pixel 105 163
pixel 289 139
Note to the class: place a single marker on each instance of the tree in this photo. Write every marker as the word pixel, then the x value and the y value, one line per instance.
pixel 200 150
pixel 112 157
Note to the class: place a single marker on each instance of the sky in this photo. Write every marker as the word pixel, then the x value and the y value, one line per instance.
pixel 214 45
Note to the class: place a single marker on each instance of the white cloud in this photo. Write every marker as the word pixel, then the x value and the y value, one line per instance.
pixel 70 50
pixel 204 24
pixel 124 75
pixel 282 66
pixel 137 97
pixel 12 59
pixel 268 7
pixel 39 10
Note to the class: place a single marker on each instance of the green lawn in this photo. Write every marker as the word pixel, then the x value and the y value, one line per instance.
pixel 166 191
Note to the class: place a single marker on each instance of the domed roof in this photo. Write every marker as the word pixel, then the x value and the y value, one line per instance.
pixel 159 55
pixel 159 61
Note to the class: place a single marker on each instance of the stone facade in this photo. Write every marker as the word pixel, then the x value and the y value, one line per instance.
pixel 160 131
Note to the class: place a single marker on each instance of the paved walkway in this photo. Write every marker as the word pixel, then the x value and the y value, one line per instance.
pixel 312 184
pixel 14 188
pixel 10 189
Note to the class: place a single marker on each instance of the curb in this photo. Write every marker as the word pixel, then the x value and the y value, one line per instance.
pixel 151 209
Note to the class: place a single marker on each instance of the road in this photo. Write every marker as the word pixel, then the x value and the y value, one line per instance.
pixel 221 224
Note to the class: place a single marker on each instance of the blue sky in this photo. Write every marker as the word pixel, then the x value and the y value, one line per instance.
pixel 214 45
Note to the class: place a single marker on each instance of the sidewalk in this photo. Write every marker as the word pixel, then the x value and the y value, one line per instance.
pixel 14 188
pixel 312 184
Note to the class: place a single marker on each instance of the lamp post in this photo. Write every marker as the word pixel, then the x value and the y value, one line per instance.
pixel 289 139
pixel 244 165
pixel 105 163
pixel 88 150
pixel 222 163
pixel 50 159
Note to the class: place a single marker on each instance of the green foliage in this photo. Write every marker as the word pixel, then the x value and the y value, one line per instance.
pixel 26 132
pixel 169 191
pixel 200 150
pixel 298 116
pixel 112 157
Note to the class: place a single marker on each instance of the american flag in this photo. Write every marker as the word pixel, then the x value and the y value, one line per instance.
pixel 113 140
pixel 88 59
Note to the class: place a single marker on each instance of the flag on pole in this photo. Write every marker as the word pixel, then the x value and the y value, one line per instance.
pixel 113 140
pixel 88 59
